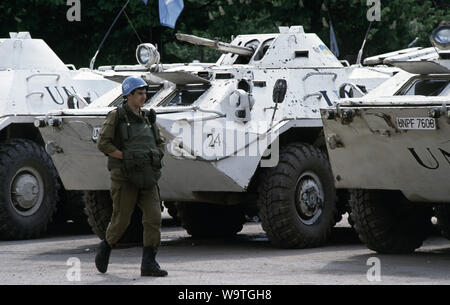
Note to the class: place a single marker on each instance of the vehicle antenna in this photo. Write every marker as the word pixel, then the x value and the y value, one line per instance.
pixel 413 43
pixel 91 65
pixel 358 61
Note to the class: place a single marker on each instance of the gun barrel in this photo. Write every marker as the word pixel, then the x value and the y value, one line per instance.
pixel 217 45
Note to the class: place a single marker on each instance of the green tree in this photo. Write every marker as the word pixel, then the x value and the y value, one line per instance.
pixel 76 42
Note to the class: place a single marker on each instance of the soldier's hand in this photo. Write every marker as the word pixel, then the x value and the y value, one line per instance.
pixel 116 154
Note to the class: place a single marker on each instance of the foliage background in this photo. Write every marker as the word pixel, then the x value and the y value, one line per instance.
pixel 76 42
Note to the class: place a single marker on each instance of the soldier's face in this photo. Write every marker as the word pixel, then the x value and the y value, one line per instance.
pixel 137 99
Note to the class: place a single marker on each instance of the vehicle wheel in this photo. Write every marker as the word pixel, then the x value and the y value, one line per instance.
pixel 28 189
pixel 297 198
pixel 98 208
pixel 387 222
pixel 442 212
pixel 210 220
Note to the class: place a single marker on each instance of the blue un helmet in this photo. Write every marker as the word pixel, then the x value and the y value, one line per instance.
pixel 130 83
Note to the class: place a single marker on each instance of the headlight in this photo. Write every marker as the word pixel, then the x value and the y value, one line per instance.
pixel 147 55
pixel 143 55
pixel 440 37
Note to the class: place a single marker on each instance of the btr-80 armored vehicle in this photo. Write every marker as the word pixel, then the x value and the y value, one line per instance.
pixel 244 136
pixel 393 147
pixel 34 81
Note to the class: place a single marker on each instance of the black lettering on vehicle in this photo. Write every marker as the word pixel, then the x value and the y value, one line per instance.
pixel 325 95
pixel 68 91
pixel 446 155
pixel 413 152
pixel 61 102
pixel 408 123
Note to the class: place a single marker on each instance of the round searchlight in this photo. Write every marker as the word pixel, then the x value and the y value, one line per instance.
pixel 147 55
pixel 440 37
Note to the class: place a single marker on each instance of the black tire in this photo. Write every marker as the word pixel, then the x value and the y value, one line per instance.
pixel 210 220
pixel 28 189
pixel 442 213
pixel 284 216
pixel 98 208
pixel 387 222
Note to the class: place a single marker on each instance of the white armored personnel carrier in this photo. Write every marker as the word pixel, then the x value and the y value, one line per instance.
pixel 34 81
pixel 244 136
pixel 392 147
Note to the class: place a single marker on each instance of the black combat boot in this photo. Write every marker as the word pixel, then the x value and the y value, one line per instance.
pixel 149 266
pixel 102 257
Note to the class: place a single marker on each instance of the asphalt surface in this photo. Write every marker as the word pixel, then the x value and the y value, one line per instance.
pixel 66 257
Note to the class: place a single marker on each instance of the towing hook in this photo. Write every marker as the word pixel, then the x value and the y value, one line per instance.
pixel 330 114
pixel 40 123
pixel 347 116
pixel 54 122
pixel 434 113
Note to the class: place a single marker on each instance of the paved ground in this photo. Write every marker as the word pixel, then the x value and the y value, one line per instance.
pixel 247 259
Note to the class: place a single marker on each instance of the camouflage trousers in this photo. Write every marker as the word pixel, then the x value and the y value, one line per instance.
pixel 125 197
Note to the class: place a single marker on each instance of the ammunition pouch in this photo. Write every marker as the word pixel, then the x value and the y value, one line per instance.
pixel 142 169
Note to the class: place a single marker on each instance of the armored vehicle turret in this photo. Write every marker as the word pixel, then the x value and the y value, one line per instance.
pixel 34 81
pixel 244 137
pixel 392 146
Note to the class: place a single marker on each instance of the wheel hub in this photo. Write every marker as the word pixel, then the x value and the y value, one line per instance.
pixel 309 198
pixel 26 191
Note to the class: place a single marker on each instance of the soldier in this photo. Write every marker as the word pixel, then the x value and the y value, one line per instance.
pixel 133 145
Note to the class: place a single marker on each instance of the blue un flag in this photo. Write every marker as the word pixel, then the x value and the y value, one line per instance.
pixel 333 42
pixel 169 10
